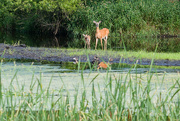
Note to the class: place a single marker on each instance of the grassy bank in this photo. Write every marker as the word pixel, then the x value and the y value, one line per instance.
pixel 64 57
pixel 122 97
pixel 123 53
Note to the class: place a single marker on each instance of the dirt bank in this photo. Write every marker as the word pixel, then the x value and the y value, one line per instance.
pixel 62 55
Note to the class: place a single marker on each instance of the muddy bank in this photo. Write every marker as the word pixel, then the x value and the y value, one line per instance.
pixel 62 55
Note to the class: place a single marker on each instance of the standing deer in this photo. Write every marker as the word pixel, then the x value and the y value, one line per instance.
pixel 101 34
pixel 87 41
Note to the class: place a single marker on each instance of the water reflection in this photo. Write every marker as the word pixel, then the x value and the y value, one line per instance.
pixel 68 80
pixel 69 67
pixel 34 41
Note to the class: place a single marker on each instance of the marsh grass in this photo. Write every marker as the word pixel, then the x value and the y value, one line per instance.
pixel 124 97
pixel 125 54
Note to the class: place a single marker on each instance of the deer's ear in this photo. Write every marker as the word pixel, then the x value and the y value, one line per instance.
pixel 94 22
pixel 83 35
pixel 99 22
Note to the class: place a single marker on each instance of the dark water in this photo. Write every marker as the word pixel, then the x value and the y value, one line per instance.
pixel 34 41
pixel 165 44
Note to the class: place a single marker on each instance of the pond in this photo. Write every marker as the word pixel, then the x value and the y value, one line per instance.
pixel 55 77
pixel 52 82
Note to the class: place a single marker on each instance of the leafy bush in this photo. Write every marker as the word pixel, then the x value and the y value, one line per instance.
pixel 72 18
pixel 137 18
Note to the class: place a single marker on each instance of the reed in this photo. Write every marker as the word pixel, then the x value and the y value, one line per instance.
pixel 123 97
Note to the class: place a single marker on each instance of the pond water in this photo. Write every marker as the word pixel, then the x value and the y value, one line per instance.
pixel 69 80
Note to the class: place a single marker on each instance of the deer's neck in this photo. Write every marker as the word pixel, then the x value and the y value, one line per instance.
pixel 97 29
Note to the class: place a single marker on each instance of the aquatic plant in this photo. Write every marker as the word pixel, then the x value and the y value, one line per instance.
pixel 119 97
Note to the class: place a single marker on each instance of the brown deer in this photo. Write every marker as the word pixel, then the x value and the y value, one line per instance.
pixel 87 41
pixel 101 34
pixel 105 65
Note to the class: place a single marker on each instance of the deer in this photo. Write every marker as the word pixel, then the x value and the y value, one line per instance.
pixel 101 34
pixel 105 65
pixel 87 41
pixel 101 64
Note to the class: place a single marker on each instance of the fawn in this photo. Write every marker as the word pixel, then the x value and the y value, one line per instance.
pixel 87 41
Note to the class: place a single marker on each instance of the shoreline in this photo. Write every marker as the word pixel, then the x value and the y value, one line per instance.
pixel 64 55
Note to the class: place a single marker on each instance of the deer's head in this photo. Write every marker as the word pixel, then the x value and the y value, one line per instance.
pixel 97 23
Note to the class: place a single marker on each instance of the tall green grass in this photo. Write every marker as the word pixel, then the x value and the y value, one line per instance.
pixel 128 19
pixel 133 18
pixel 123 97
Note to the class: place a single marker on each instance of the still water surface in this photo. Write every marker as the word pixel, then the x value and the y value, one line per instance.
pixel 23 74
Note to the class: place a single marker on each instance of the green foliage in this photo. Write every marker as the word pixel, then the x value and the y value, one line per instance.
pixel 134 18
pixel 149 44
pixel 46 15
pixel 72 18
pixel 131 17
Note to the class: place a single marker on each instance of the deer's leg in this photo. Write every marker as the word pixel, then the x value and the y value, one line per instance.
pixel 89 45
pixel 96 43
pixel 85 45
pixel 105 44
pixel 101 44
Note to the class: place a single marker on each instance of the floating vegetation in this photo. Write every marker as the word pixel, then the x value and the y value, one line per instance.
pixel 94 95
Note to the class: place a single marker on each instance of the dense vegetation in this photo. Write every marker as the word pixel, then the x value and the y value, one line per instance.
pixel 72 18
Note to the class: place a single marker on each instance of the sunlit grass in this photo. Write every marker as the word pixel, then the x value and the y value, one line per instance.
pixel 125 54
